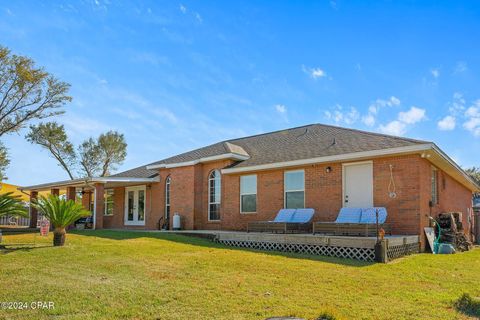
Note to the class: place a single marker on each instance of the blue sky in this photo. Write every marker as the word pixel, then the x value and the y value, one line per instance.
pixel 174 76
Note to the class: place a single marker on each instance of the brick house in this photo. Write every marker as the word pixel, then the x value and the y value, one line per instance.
pixel 227 184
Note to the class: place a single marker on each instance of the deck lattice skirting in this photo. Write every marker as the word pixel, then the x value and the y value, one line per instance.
pixel 358 248
pixel 365 254
pixel 398 251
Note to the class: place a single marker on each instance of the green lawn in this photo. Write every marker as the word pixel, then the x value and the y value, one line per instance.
pixel 113 274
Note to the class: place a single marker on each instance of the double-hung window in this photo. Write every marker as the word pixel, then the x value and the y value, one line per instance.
pixel 214 195
pixel 109 202
pixel 294 186
pixel 248 194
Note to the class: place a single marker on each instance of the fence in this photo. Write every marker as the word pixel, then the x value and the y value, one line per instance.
pixel 14 221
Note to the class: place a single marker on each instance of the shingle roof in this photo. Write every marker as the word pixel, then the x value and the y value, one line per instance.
pixel 311 141
pixel 139 172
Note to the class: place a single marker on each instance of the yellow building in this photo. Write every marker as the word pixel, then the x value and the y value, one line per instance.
pixel 6 187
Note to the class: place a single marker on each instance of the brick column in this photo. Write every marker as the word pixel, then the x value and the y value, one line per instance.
pixel 71 193
pixel 33 210
pixel 86 199
pixel 55 192
pixel 99 208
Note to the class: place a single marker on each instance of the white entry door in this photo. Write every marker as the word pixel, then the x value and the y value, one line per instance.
pixel 358 185
pixel 135 206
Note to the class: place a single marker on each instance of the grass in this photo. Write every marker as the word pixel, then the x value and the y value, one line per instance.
pixel 136 275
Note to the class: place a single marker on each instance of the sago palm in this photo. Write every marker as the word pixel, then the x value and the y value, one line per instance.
pixel 61 214
pixel 12 205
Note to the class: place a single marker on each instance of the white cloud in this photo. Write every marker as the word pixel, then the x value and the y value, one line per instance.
pixel 460 67
pixel 369 120
pixel 165 113
pixel 458 111
pixel 315 73
pixel 183 9
pixel 472 115
pixel 380 103
pixel 473 125
pixel 318 73
pixel 446 124
pixel 396 128
pixel 280 108
pixel 375 107
pixel 198 17
pixel 458 104
pixel 435 73
pixel 412 116
pixel 473 111
pixel 339 115
pixel 399 127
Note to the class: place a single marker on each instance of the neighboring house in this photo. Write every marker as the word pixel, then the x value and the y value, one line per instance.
pixel 227 184
pixel 14 189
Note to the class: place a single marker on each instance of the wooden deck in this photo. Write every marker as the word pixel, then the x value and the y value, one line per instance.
pixel 362 248
pixel 310 239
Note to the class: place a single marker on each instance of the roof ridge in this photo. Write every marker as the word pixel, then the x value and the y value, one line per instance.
pixel 330 126
pixel 271 132
pixel 374 133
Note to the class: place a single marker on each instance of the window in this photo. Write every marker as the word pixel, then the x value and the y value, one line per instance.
pixel 214 195
pixel 167 197
pixel 109 202
pixel 434 185
pixel 248 194
pixel 294 185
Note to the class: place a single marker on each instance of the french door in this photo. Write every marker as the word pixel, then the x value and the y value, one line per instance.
pixel 135 206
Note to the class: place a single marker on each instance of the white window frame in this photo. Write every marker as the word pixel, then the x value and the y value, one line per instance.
pixel 113 203
pixel 249 194
pixel 209 193
pixel 168 194
pixel 285 187
pixel 434 197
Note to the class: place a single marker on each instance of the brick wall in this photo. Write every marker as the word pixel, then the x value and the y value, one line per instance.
pixel 407 213
pixel 452 196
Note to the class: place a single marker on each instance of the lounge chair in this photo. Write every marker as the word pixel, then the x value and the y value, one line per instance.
pixel 286 221
pixel 355 222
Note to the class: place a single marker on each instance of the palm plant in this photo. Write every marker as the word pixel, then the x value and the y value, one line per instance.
pixel 12 205
pixel 61 214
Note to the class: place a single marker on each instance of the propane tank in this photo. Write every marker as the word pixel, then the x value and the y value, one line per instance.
pixel 176 221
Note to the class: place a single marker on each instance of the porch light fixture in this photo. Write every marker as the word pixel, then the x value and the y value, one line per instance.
pixel 328 169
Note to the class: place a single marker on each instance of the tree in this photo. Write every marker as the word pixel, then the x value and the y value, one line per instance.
pixel 95 157
pixel 61 214
pixel 53 137
pixel 113 150
pixel 90 158
pixel 27 92
pixel 12 205
pixel 4 161
pixel 474 173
